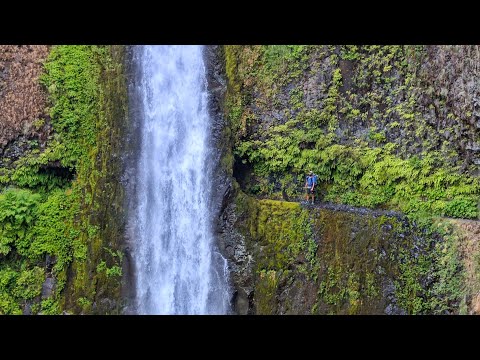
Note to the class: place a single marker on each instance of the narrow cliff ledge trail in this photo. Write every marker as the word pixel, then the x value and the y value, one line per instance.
pixel 178 268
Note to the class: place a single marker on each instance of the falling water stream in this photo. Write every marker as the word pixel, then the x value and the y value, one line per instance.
pixel 178 267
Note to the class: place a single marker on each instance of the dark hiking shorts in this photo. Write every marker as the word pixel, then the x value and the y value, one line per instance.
pixel 309 191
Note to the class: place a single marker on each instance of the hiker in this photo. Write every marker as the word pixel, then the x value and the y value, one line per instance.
pixel 310 183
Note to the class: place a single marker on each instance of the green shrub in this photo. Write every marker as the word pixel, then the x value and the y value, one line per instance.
pixel 18 286
pixel 110 272
pixel 72 75
pixel 56 215
pixel 29 283
pixel 17 214
pixel 462 207
pixel 50 307
pixel 54 230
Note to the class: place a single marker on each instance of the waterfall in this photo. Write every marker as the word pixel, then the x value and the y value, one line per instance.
pixel 178 267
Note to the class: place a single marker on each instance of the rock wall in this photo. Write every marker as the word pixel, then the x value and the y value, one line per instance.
pixel 23 101
pixel 61 196
pixel 392 132
pixel 331 259
pixel 382 126
pixel 93 278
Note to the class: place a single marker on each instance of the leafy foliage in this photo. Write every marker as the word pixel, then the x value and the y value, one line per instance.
pixel 366 120
pixel 376 169
pixel 72 78
pixel 17 215
pixel 48 209
pixel 54 231
pixel 16 287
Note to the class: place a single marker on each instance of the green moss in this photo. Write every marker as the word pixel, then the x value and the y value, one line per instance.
pixel 281 229
pixel 377 137
pixel 50 307
pixel 17 214
pixel 409 292
pixel 353 115
pixel 348 259
pixel 431 280
pixel 85 304
pixel 376 169
pixel 450 289
pixel 60 216
pixel 34 225
pixel 282 232
pixel 364 176
pixel 348 279
pixel 100 237
pixel 265 291
pixel 231 61
pixel 19 286
pixel 349 52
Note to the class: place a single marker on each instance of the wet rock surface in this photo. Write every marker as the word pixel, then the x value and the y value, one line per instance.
pixel 361 252
pixel 48 287
pixel 231 242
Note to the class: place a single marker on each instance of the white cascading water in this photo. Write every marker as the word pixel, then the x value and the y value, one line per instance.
pixel 178 267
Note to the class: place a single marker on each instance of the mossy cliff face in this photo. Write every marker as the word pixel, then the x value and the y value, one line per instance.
pixel 382 126
pixel 385 128
pixel 95 282
pixel 341 260
pixel 61 201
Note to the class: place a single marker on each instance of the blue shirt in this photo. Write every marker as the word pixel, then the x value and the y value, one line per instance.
pixel 310 181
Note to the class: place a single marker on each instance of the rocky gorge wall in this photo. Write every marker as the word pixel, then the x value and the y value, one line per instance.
pixel 330 259
pixel 382 126
pixel 61 202
pixel 392 132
